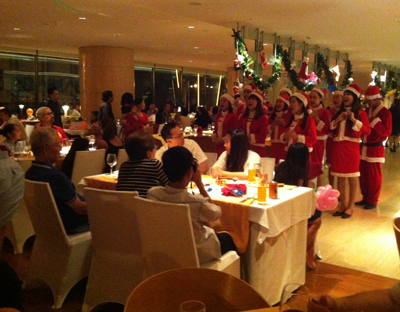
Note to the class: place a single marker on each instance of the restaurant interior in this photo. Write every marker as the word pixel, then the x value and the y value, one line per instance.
pixel 183 53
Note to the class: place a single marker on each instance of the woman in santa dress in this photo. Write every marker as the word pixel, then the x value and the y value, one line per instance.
pixel 348 124
pixel 278 121
pixel 255 123
pixel 301 127
pixel 225 121
pixel 322 120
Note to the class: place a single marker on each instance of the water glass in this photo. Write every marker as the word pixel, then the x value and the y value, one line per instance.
pixel 192 306
pixel 111 161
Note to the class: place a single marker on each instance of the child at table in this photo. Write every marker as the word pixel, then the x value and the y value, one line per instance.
pixel 294 171
pixel 210 246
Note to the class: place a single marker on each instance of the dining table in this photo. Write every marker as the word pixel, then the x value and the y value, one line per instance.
pixel 271 237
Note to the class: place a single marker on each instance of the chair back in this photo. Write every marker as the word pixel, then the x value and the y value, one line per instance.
pixel 122 157
pixel 44 214
pixel 396 227
pixel 219 291
pixel 88 163
pixel 166 235
pixel 113 223
pixel 211 159
pixel 268 165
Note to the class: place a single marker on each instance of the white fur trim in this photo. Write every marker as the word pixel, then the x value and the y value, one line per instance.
pixel 286 90
pixel 320 92
pixel 353 90
pixel 375 121
pixel 283 99
pixel 357 126
pixel 338 92
pixel 301 97
pixel 228 97
pixel 373 97
pixel 345 175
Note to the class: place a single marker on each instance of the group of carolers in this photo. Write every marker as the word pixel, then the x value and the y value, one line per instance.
pixel 299 117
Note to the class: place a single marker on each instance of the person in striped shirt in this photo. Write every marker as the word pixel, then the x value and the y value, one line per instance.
pixel 142 171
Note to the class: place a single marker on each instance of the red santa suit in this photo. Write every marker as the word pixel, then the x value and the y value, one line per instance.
pixel 323 129
pixel 373 153
pixel 224 122
pixel 242 108
pixel 308 135
pixel 256 130
pixel 276 133
pixel 329 140
pixel 345 160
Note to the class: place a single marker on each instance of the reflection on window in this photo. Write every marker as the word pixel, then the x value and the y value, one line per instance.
pixel 167 87
pixel 144 84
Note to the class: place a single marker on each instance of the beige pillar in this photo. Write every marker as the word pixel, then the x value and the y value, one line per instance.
pixel 231 76
pixel 105 68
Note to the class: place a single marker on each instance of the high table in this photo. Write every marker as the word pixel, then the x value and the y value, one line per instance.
pixel 273 243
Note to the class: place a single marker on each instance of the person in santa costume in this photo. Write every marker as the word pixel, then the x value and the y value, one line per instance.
pixel 372 149
pixel 322 120
pixel 348 124
pixel 247 90
pixel 286 91
pixel 225 121
pixel 279 120
pixel 337 101
pixel 255 123
pixel 301 127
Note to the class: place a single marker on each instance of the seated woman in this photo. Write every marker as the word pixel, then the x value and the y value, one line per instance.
pixel 13 135
pixel 202 118
pixel 294 171
pixel 142 171
pixel 235 161
pixel 79 144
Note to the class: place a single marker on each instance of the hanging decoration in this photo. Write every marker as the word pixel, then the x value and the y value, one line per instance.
pixel 264 60
pixel 243 62
pixel 309 80
pixel 236 88
pixel 347 78
pixel 323 70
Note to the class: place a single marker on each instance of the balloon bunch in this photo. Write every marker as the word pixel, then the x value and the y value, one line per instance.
pixel 327 198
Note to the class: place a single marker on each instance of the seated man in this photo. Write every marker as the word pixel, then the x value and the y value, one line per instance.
pixel 173 135
pixel 71 206
pixel 180 168
pixel 46 118
pixel 142 171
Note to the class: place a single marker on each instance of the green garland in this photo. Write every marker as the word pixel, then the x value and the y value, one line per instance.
pixel 292 74
pixel 346 81
pixel 247 61
pixel 323 66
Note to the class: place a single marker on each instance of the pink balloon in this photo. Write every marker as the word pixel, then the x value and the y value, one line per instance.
pixel 327 198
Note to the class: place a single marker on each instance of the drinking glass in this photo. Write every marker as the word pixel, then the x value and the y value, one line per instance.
pixel 295 298
pixel 212 126
pixel 209 127
pixel 195 127
pixel 111 161
pixel 192 306
pixel 91 139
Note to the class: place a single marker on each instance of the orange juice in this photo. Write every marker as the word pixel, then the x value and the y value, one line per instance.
pixel 262 194
pixel 252 175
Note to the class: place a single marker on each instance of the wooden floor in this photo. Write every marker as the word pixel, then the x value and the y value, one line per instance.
pixel 359 253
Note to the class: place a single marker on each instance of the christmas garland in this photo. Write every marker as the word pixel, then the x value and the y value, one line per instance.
pixel 323 66
pixel 292 74
pixel 346 80
pixel 244 61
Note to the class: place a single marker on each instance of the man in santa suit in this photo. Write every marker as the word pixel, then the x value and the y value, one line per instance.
pixel 372 149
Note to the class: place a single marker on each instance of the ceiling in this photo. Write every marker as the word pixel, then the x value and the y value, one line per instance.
pixel 158 30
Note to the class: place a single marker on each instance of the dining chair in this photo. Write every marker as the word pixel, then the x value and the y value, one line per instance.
pixel 122 157
pixel 211 160
pixel 396 227
pixel 268 165
pixel 58 259
pixel 167 239
pixel 117 263
pixel 87 163
pixel 219 291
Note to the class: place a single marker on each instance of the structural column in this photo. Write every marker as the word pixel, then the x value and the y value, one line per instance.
pixel 105 68
pixel 231 76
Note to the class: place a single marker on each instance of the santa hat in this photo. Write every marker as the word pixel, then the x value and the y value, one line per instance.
pixel 372 93
pixel 286 90
pixel 228 97
pixel 319 91
pixel 338 92
pixel 258 95
pixel 355 88
pixel 284 98
pixel 251 87
pixel 302 97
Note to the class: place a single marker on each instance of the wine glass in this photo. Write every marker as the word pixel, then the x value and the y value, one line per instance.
pixel 92 140
pixel 295 298
pixel 111 161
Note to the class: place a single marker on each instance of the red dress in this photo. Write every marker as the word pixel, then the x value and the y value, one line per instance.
pixel 329 141
pixel 134 122
pixel 346 146
pixel 223 124
pixel 278 144
pixel 256 130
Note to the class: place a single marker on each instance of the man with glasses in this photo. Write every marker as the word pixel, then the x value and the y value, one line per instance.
pixel 71 206
pixel 46 118
pixel 173 136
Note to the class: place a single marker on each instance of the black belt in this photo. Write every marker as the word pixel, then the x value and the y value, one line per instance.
pixel 373 144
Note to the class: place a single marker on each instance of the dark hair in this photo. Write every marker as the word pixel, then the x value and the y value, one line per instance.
pixel 239 151
pixel 79 144
pixel 396 102
pixel 304 111
pixel 355 108
pixel 109 128
pixel 295 166
pixel 8 129
pixel 106 95
pixel 202 110
pixel 177 161
pixel 138 101
pixel 138 144
pixel 166 130
pixel 127 98
pixel 320 98
pixel 96 114
pixel 215 109
pixel 5 111
pixel 184 111
pixel 273 115
pixel 259 108
pixel 51 90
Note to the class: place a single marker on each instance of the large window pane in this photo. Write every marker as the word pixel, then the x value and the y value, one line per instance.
pixel 191 88
pixel 212 84
pixel 144 84
pixel 167 87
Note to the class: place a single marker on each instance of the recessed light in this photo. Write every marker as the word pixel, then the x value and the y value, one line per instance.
pixel 191 27
pixel 82 18
pixel 116 35
pixel 265 43
pixel 16 28
pixel 190 61
pixel 196 48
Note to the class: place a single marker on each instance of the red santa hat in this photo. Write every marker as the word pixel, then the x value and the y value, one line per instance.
pixel 251 87
pixel 321 92
pixel 228 97
pixel 286 90
pixel 355 88
pixel 302 97
pixel 338 92
pixel 372 93
pixel 284 98
pixel 258 95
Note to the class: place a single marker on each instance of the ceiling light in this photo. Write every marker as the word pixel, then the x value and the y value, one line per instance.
pixel 82 18
pixel 191 27
pixel 196 47
pixel 190 61
pixel 16 28
pixel 265 44
pixel 116 35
